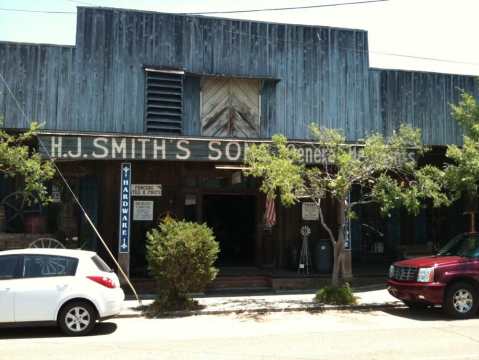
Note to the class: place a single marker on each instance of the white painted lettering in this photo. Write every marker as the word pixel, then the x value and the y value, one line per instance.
pixel 133 148
pixel 229 153
pixel 245 150
pixel 56 146
pixel 308 152
pixel 118 148
pixel 143 147
pixel 301 153
pixel 78 152
pixel 157 148
pixel 180 146
pixel 317 156
pixel 100 144
pixel 212 148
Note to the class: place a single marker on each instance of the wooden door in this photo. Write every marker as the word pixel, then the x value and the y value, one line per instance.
pixel 230 107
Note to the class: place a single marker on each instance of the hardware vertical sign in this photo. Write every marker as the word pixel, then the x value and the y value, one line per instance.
pixel 125 209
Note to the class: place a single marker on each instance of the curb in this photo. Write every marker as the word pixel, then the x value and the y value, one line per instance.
pixel 314 308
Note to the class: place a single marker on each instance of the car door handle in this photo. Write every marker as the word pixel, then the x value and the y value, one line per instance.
pixel 5 289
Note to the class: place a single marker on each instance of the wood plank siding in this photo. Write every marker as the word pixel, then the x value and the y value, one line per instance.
pixel 420 99
pixel 230 107
pixel 307 73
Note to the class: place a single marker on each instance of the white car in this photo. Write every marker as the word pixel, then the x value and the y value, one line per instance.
pixel 70 288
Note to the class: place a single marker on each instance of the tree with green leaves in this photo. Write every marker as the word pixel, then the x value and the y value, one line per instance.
pixel 462 172
pixel 385 171
pixel 18 158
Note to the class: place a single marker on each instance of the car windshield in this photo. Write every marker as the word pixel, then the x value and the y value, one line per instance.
pixel 466 245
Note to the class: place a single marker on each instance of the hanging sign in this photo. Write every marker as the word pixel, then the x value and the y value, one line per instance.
pixel 112 147
pixel 125 208
pixel 56 194
pixel 142 210
pixel 310 211
pixel 146 190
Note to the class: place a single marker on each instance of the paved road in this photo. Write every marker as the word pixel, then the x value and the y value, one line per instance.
pixel 392 334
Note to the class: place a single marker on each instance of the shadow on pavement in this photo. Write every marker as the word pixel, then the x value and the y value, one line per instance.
pixel 28 332
pixel 429 314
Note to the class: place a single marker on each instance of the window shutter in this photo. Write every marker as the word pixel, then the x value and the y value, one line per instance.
pixel 164 101
pixel 230 107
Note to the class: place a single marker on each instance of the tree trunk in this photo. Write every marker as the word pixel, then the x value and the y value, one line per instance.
pixel 336 263
pixel 342 257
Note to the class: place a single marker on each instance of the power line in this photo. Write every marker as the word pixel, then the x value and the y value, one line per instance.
pixel 285 8
pixel 425 58
pixel 213 12
pixel 302 43
pixel 38 11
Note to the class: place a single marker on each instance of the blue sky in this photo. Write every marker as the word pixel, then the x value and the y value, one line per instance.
pixel 442 29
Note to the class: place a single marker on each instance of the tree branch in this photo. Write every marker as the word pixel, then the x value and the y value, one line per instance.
pixel 325 226
pixel 363 202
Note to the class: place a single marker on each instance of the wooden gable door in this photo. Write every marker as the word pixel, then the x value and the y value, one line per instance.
pixel 230 107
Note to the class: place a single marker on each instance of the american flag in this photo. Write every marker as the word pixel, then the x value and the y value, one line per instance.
pixel 270 212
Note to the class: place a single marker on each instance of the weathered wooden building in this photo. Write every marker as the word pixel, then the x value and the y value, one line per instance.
pixel 176 96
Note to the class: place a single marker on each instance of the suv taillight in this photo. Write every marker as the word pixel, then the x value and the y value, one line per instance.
pixel 103 280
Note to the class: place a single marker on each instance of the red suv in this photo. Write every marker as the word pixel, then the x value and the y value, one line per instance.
pixel 450 278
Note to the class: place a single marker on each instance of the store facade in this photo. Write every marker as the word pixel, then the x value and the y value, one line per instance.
pixel 177 100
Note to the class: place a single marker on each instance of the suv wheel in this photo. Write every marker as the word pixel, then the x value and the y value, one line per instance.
pixel 461 300
pixel 77 318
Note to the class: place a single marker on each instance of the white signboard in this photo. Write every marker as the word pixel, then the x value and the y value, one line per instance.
pixel 146 190
pixel 142 210
pixel 310 211
pixel 56 194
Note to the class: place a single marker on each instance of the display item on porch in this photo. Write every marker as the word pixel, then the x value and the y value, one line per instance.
pixel 269 213
pixel 305 258
pixel 67 221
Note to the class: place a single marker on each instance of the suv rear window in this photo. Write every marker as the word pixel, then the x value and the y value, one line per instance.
pixel 100 264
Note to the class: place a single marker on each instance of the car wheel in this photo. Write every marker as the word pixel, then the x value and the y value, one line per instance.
pixel 461 300
pixel 415 305
pixel 77 318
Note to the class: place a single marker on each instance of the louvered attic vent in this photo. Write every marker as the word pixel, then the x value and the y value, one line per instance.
pixel 164 101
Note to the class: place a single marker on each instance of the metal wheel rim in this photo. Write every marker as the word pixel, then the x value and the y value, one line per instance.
pixel 46 243
pixel 77 319
pixel 462 301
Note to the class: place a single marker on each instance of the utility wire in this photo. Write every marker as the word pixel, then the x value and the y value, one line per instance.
pixel 37 11
pixel 216 12
pixel 302 43
pixel 285 8
pixel 84 212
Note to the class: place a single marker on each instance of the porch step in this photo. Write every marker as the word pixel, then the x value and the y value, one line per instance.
pixel 241 282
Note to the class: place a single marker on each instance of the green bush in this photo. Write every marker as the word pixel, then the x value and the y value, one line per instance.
pixel 336 295
pixel 180 256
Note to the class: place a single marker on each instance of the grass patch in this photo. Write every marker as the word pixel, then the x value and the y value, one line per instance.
pixel 336 295
pixel 163 306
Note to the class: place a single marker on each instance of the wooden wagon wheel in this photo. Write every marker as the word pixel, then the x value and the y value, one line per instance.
pixel 46 243
pixel 14 205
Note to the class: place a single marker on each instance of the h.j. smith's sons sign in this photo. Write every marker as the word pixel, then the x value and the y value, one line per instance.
pixel 87 147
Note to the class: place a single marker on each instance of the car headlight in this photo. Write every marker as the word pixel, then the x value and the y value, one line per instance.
pixel 425 275
pixel 391 271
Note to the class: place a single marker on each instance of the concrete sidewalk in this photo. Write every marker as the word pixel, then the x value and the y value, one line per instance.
pixel 270 303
